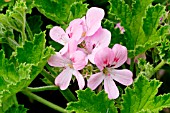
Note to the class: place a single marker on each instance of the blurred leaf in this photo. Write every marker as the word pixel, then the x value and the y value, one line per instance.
pixel 4 3
pixel 61 11
pixel 145 68
pixel 15 18
pixel 89 102
pixel 17 109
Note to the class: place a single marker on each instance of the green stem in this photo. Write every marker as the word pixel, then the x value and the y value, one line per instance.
pixel 158 67
pixel 132 64
pixel 43 88
pixel 68 95
pixel 24 36
pixel 162 63
pixel 47 75
pixel 30 35
pixel 12 43
pixel 43 101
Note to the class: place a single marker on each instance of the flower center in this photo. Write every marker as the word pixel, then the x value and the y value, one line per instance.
pixel 105 71
pixel 83 34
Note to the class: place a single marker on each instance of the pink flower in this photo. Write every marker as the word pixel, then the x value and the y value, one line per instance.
pixel 107 60
pixel 72 61
pixel 88 25
pixel 78 29
pixel 122 30
pixel 96 42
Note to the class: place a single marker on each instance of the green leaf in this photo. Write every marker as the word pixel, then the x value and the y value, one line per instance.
pixel 8 103
pixel 77 10
pixel 89 102
pixel 142 97
pixel 116 36
pixel 17 109
pixel 34 53
pixel 141 22
pixel 4 3
pixel 61 10
pixel 29 61
pixel 15 18
pixel 12 78
pixel 145 68
pixel 164 50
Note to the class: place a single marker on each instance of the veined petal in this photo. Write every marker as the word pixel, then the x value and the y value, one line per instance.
pixel 75 29
pixel 123 76
pixel 103 57
pixel 79 60
pixel 110 88
pixel 58 60
pixel 79 78
pixel 72 46
pixel 120 55
pixel 95 80
pixel 64 78
pixel 93 20
pixel 101 38
pixel 59 35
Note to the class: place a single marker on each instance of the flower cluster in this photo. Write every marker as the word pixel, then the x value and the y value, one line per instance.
pixel 85 41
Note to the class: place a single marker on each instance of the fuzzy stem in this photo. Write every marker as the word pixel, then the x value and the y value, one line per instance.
pixel 43 88
pixel 66 93
pixel 47 75
pixel 29 31
pixel 162 63
pixel 43 101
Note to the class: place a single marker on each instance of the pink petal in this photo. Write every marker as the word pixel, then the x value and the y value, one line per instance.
pixel 64 78
pixel 75 29
pixel 79 60
pixel 80 79
pixel 120 55
pixel 111 88
pixel 59 35
pixel 64 50
pixel 100 39
pixel 93 20
pixel 103 58
pixel 95 80
pixel 72 46
pixel 122 76
pixel 58 60
pixel 128 61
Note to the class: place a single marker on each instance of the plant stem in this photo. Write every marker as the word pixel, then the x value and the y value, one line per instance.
pixel 30 35
pixel 47 75
pixel 12 43
pixel 43 88
pixel 162 63
pixel 132 65
pixel 159 66
pixel 43 101
pixel 68 95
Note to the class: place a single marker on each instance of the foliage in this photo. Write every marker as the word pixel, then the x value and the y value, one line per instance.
pixel 141 22
pixel 91 103
pixel 25 50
